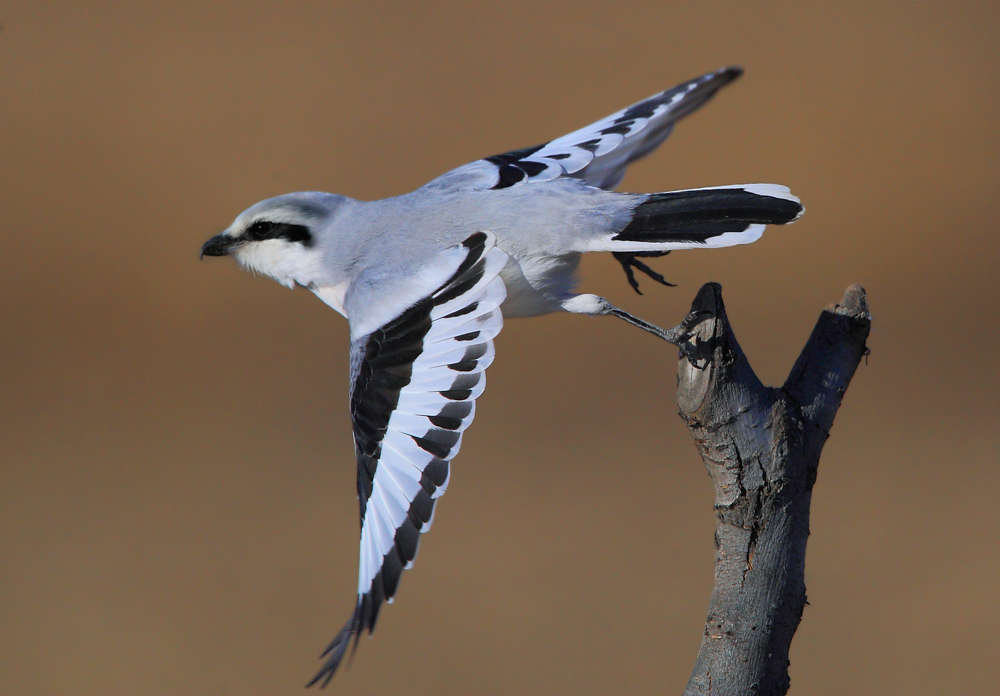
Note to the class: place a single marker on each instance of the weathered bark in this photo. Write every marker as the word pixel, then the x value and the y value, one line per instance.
pixel 761 446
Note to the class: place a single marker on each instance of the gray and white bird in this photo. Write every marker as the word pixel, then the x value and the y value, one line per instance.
pixel 425 280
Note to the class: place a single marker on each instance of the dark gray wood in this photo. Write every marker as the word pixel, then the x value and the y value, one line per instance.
pixel 761 446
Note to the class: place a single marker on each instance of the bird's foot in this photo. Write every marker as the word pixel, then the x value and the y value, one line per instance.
pixel 629 261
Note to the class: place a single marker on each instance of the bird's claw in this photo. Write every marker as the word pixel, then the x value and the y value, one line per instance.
pixel 687 341
pixel 687 349
pixel 695 317
pixel 628 261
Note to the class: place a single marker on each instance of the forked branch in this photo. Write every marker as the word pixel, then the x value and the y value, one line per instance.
pixel 761 446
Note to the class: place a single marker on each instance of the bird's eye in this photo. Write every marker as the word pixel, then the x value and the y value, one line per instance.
pixel 260 230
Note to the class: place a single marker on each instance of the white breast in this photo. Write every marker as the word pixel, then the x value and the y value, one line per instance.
pixel 333 295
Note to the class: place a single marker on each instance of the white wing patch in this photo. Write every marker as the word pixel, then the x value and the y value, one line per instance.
pixel 447 371
pixel 414 382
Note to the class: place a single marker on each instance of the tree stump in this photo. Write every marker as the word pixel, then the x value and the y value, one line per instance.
pixel 761 446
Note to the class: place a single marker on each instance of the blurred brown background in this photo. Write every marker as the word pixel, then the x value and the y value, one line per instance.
pixel 177 504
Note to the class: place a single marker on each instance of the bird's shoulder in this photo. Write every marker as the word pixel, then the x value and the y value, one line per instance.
pixel 480 175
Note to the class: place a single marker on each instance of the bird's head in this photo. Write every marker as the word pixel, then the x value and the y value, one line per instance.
pixel 279 237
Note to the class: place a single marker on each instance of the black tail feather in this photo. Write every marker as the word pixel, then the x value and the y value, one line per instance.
pixel 698 215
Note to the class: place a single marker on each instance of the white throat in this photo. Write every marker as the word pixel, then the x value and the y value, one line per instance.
pixel 288 263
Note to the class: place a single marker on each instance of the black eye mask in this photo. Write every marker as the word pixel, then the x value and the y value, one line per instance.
pixel 265 229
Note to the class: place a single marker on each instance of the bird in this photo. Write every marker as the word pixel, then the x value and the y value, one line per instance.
pixel 426 279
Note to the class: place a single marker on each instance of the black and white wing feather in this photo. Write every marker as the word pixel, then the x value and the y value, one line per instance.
pixel 414 382
pixel 599 153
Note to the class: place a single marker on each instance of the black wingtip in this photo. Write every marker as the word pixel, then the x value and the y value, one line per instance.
pixel 722 77
pixel 335 652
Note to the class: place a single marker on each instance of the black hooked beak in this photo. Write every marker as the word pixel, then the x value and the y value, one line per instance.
pixel 219 245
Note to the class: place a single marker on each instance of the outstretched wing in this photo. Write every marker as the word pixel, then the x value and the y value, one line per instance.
pixel 414 382
pixel 599 153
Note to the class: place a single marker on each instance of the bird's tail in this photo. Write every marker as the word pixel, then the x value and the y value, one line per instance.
pixel 703 218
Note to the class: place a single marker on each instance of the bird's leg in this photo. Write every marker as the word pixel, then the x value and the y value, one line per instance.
pixel 679 336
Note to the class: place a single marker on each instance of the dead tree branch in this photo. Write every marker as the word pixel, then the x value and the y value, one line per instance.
pixel 761 446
